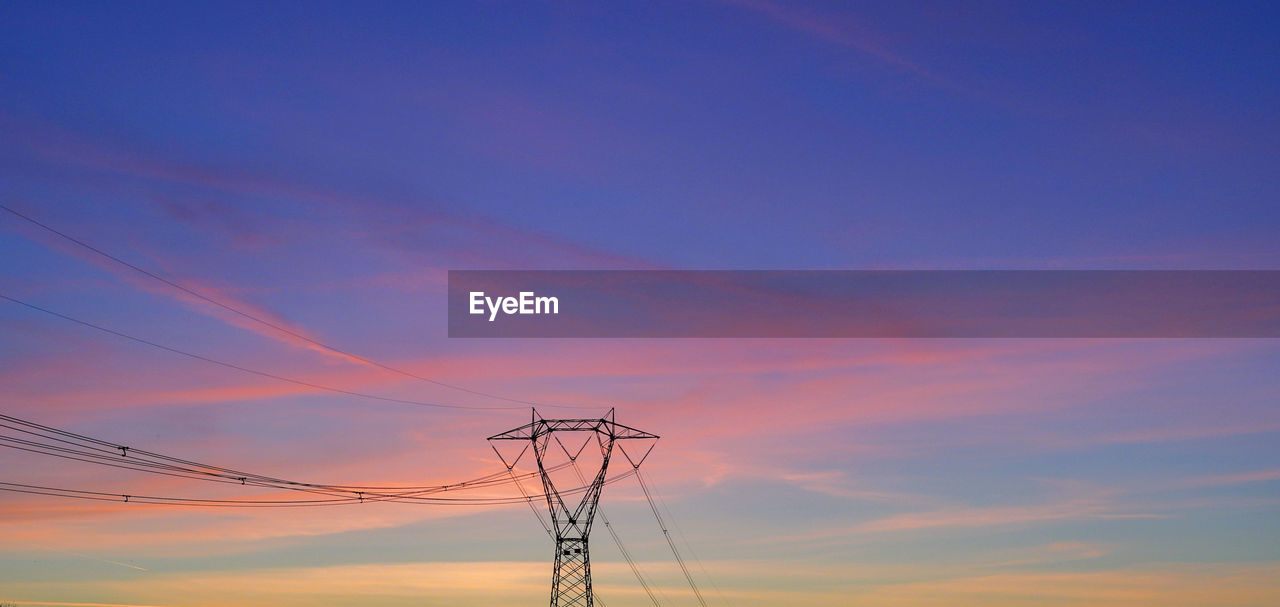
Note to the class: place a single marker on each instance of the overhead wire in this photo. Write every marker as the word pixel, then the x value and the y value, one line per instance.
pixel 536 514
pixel 193 470
pixel 79 447
pixel 683 538
pixel 320 490
pixel 215 474
pixel 275 326
pixel 670 542
pixel 114 497
pixel 613 533
pixel 257 503
pixel 244 369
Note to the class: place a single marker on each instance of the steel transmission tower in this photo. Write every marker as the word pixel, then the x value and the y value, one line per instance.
pixel 550 439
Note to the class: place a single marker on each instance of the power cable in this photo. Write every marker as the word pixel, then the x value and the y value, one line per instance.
pixel 626 554
pixel 529 500
pixel 667 534
pixel 88 449
pixel 270 324
pixel 252 503
pixel 680 532
pixel 247 369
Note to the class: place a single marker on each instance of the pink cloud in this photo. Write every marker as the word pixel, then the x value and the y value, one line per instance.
pixel 843 30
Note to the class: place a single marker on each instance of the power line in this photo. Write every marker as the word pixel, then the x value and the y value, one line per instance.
pixel 680 532
pixel 181 501
pixel 626 555
pixel 68 493
pixel 115 452
pixel 139 462
pixel 250 503
pixel 272 325
pixel 79 447
pixel 82 448
pixel 613 533
pixel 529 500
pixel 666 534
pixel 243 369
pixel 320 490
pixel 151 499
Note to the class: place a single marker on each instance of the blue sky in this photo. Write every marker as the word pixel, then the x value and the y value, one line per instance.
pixel 324 165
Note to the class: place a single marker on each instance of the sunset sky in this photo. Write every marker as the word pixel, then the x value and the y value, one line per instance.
pixel 324 165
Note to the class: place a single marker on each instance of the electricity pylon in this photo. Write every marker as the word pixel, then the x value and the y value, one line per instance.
pixel 571 575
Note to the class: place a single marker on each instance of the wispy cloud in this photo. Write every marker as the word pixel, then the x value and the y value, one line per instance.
pixel 843 30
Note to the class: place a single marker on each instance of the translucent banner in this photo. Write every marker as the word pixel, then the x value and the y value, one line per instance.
pixel 880 304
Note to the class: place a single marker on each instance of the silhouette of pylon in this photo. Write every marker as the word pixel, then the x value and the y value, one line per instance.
pixel 571 522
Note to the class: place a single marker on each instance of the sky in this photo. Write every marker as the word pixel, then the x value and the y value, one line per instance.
pixel 323 165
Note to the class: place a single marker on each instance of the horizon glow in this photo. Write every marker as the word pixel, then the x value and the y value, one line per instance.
pixel 323 168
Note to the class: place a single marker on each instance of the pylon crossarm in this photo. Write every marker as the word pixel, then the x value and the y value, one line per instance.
pixel 540 427
pixel 524 432
pixel 619 431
